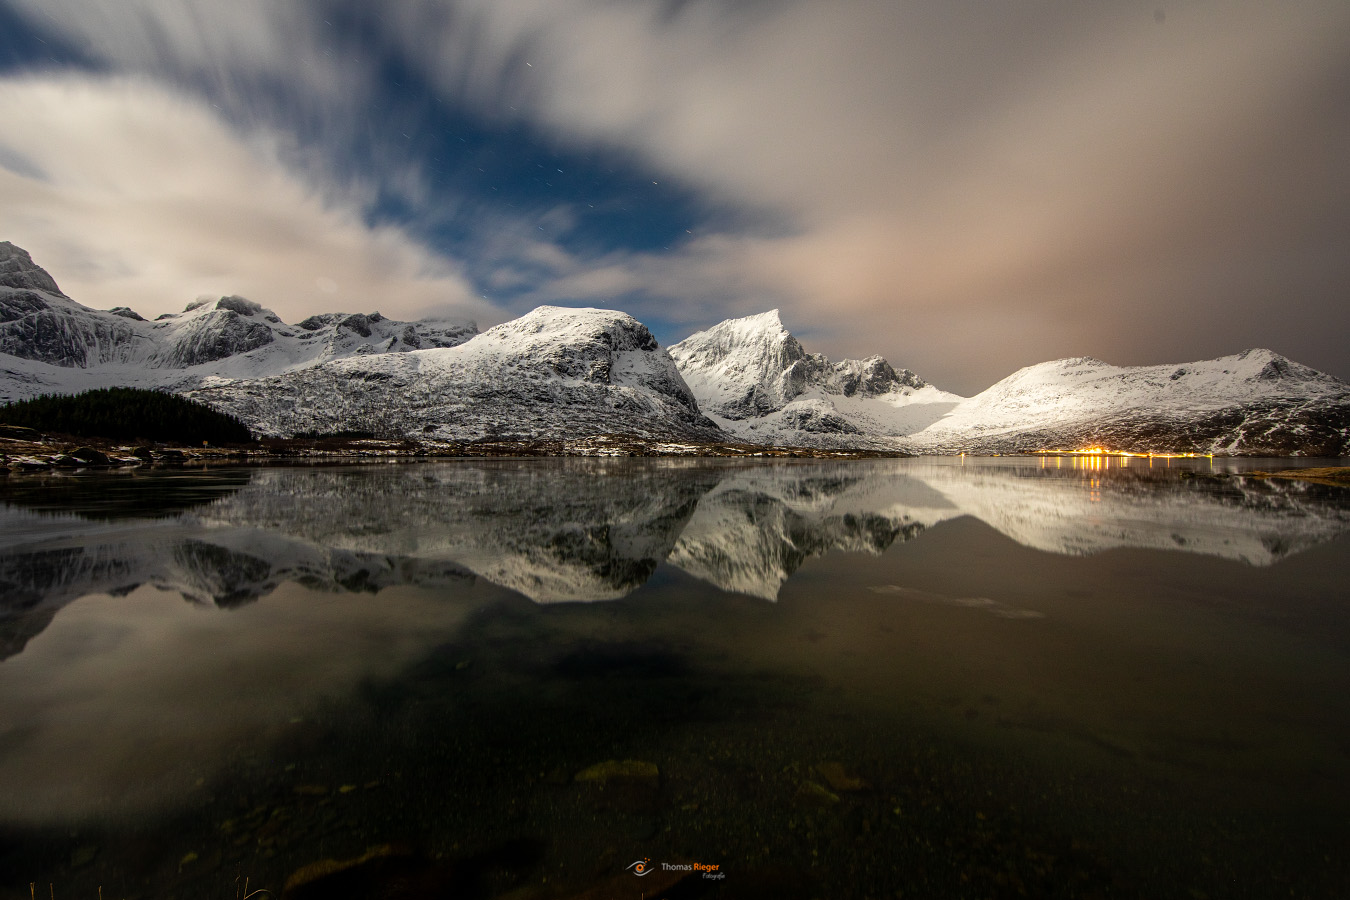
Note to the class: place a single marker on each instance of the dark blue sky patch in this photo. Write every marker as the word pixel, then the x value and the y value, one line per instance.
pixel 467 163
pixel 471 161
pixel 27 47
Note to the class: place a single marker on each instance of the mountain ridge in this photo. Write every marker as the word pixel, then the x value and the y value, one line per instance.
pixel 561 372
pixel 70 347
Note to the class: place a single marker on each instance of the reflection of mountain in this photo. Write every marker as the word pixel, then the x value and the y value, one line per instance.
pixel 65 557
pixel 572 530
pixel 569 530
pixel 759 525
pixel 554 530
pixel 213 566
pixel 1081 511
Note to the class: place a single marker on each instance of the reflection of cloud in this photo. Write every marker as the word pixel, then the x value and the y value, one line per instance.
pixel 149 200
pixel 126 702
pixel 993 607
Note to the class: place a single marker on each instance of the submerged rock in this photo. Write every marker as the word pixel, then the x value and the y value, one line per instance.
pixel 839 778
pixel 632 771
pixel 359 876
pixel 812 791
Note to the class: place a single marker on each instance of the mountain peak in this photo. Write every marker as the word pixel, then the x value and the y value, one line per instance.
pixel 732 337
pixel 765 324
pixel 17 270
pixel 233 303
pixel 1267 366
pixel 770 320
pixel 618 330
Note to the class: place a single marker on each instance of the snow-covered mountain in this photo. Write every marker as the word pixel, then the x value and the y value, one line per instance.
pixel 566 373
pixel 755 380
pixel 50 343
pixel 551 373
pixel 554 372
pixel 1253 403
pixel 39 323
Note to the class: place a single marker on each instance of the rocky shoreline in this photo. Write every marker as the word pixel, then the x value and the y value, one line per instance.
pixel 25 450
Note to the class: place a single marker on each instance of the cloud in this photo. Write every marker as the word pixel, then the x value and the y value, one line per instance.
pixel 148 199
pixel 1085 169
pixel 244 51
pixel 963 186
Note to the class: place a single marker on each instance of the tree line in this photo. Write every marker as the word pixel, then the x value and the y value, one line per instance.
pixel 131 414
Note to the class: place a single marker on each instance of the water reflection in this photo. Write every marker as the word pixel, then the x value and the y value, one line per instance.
pixel 999 652
pixel 582 530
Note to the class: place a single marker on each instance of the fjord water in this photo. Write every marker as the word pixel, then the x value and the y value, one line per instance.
pixel 919 678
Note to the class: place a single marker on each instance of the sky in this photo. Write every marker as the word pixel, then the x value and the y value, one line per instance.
pixel 963 187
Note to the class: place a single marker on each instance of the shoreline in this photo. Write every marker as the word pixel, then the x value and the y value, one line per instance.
pixel 36 452
pixel 68 452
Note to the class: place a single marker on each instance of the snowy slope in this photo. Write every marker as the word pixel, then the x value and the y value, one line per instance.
pixel 757 381
pixel 554 372
pixel 1255 402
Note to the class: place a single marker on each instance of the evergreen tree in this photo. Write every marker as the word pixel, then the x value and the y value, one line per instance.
pixel 129 414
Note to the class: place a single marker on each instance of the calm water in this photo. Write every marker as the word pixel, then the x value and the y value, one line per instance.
pixel 912 678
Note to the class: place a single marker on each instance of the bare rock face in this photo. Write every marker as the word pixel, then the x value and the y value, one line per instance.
pixel 18 271
pixel 339 330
